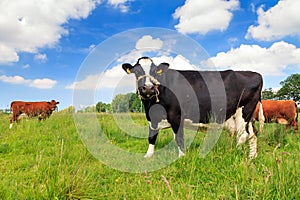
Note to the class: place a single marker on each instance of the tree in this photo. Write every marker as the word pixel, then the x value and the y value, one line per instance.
pixel 268 94
pixel 90 109
pixel 290 88
pixel 126 103
pixel 103 107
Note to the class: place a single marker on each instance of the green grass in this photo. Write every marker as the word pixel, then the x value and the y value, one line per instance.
pixel 48 160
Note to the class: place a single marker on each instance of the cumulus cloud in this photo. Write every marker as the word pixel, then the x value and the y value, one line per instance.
pixel 270 61
pixel 145 44
pixel 108 79
pixel 44 83
pixel 148 42
pixel 203 16
pixel 121 4
pixel 277 22
pixel 29 25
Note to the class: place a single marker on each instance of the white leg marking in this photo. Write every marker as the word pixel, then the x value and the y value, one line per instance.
pixel 150 151
pixel 180 154
pixel 252 142
pixel 161 125
pixel 240 127
pixel 10 126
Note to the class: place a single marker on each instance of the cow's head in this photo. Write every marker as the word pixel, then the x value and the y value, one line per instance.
pixel 52 105
pixel 147 76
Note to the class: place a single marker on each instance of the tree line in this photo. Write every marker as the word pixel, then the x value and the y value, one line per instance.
pixel 131 103
pixel 121 103
pixel 290 90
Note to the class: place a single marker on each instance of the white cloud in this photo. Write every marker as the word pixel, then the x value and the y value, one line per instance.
pixel 112 78
pixel 121 4
pixel 270 61
pixel 44 83
pixel 203 16
pixel 8 54
pixel 40 57
pixel 277 22
pixel 29 25
pixel 178 62
pixel 145 44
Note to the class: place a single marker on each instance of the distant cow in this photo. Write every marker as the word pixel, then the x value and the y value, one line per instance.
pixel 41 109
pixel 280 111
pixel 172 97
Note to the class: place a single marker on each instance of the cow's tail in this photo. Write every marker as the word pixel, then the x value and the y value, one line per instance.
pixel 261 117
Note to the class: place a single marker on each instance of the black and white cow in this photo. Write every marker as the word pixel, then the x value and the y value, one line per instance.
pixel 171 97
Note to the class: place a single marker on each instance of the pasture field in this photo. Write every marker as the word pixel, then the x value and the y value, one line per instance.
pixel 48 160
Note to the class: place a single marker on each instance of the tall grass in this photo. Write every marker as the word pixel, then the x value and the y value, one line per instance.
pixel 48 160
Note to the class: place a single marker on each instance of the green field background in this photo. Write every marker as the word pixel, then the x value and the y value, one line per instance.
pixel 48 160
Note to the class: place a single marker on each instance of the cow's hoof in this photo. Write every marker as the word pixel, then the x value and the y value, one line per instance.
pixel 148 155
pixel 181 154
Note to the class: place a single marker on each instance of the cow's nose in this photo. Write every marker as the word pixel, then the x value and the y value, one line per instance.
pixel 148 87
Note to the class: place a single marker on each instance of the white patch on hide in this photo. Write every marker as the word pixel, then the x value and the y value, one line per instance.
pixel 150 151
pixel 241 133
pixel 230 125
pixel 146 65
pixel 161 125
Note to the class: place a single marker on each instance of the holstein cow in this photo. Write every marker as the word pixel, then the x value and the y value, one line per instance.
pixel 279 111
pixel 171 97
pixel 42 109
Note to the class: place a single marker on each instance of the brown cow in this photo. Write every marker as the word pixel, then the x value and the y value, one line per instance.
pixel 42 109
pixel 279 111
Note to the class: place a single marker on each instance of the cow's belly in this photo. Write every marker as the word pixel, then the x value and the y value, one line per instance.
pixel 234 123
pixel 188 123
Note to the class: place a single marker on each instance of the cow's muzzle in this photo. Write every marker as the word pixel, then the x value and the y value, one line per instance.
pixel 148 92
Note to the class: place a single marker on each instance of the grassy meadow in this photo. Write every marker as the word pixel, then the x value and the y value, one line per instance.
pixel 48 160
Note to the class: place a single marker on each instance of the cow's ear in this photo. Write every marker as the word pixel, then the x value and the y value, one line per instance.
pixel 127 67
pixel 162 68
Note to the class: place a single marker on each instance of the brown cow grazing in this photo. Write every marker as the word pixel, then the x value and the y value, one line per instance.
pixel 42 109
pixel 279 111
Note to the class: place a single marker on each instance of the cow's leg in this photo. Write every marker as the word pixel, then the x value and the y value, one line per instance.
pixel 151 139
pixel 252 141
pixel 240 123
pixel 295 125
pixel 13 119
pixel 244 131
pixel 179 136
pixel 11 122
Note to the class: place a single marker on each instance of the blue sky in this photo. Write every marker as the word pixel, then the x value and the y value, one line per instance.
pixel 46 46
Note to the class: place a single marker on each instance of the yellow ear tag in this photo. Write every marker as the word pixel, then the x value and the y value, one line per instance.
pixel 128 71
pixel 159 72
